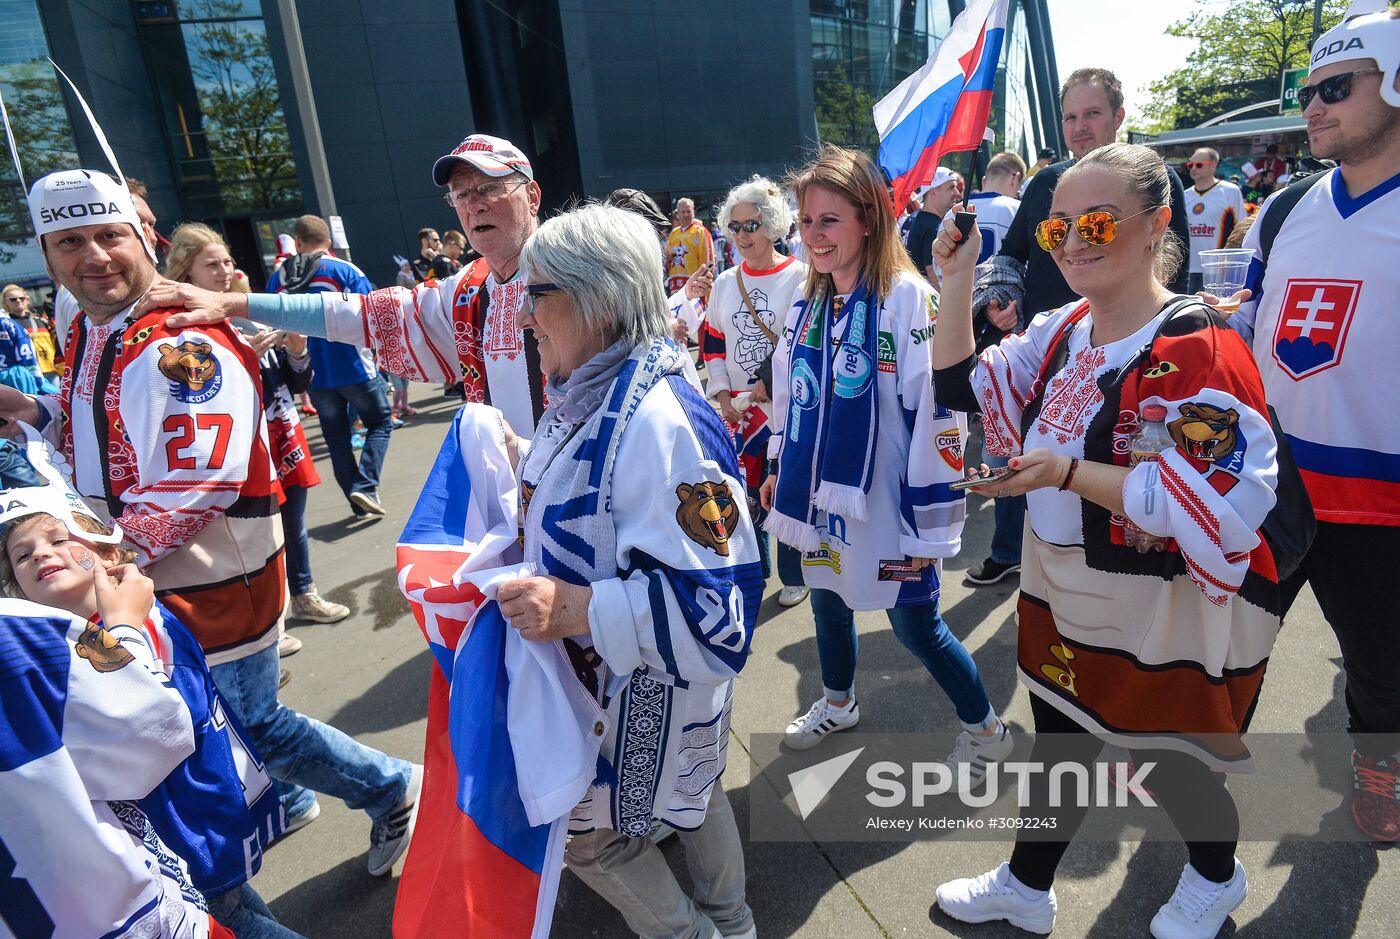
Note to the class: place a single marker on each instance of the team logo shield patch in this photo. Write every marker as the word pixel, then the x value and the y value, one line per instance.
pixel 949 443
pixel 1311 333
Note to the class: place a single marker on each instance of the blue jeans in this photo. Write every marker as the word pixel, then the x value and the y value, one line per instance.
pixel 245 914
pixel 301 752
pixel 333 407
pixel 1010 515
pixel 298 546
pixel 923 632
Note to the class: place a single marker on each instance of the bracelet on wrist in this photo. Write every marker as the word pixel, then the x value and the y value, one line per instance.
pixel 1069 473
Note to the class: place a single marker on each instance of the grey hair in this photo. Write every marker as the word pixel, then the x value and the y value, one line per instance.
pixel 765 196
pixel 1145 174
pixel 605 260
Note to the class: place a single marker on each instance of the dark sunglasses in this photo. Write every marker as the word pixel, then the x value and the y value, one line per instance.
pixel 749 227
pixel 1201 165
pixel 1334 89
pixel 534 292
pixel 1097 228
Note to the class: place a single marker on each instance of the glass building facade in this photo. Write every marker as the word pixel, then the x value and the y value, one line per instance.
pixel 861 49
pixel 40 125
pixel 220 106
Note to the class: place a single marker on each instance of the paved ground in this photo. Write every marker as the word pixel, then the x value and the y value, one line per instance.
pixel 368 676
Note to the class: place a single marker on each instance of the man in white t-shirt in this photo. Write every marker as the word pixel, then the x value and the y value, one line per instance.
pixel 1213 208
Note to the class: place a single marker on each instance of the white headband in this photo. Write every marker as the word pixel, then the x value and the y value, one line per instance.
pixel 55 498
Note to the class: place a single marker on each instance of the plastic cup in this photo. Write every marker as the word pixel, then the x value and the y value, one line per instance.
pixel 1224 271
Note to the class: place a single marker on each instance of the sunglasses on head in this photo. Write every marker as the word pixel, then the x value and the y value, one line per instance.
pixel 749 227
pixel 1334 89
pixel 1097 228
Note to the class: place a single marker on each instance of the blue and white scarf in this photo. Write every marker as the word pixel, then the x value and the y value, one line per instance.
pixel 827 459
pixel 569 526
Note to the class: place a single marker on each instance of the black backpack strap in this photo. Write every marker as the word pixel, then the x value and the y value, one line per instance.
pixel 1272 220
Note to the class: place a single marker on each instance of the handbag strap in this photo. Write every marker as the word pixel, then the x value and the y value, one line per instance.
pixel 758 320
pixel 1058 354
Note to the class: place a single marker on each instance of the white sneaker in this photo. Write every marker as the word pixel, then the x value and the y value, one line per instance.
pixel 288 645
pixel 821 719
pixel 991 896
pixel 1199 907
pixel 979 752
pixel 791 596
pixel 298 822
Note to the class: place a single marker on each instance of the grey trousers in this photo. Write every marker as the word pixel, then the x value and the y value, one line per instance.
pixel 632 875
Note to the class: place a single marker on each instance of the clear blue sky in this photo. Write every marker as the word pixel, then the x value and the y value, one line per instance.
pixel 1127 36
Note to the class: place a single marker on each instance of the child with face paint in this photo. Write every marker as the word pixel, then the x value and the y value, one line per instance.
pixel 218 800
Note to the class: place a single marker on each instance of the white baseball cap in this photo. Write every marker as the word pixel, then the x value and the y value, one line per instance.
pixel 494 156
pixel 942 177
pixel 1369 31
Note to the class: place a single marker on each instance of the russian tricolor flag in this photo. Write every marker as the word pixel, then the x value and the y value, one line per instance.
pixel 944 106
pixel 476 866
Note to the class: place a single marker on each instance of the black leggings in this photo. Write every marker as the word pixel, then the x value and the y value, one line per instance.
pixel 1181 784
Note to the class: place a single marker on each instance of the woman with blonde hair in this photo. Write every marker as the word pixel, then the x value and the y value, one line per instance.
pixel 1160 651
pixel 865 456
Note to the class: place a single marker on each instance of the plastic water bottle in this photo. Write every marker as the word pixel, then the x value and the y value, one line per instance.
pixel 1147 443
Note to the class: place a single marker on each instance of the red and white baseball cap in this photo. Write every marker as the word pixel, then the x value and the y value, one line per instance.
pixel 494 156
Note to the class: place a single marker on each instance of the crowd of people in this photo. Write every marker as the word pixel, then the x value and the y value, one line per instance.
pixel 154 537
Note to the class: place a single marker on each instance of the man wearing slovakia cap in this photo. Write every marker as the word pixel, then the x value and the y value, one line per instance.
pixel 1322 324
pixel 164 431
pixel 462 328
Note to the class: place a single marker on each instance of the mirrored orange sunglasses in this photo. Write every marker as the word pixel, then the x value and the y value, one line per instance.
pixel 1097 228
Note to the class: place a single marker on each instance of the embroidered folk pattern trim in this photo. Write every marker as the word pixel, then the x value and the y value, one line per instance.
pixel 646 713
pixel 1073 395
pixel 384 323
pixel 502 335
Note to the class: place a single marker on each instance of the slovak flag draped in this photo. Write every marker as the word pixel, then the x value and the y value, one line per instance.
pixel 488 845
pixel 943 107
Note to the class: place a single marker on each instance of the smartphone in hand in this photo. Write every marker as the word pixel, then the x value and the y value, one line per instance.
pixel 999 474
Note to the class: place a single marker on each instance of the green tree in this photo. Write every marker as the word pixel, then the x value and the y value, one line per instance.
pixel 845 111
pixel 42 134
pixel 1236 44
pixel 247 132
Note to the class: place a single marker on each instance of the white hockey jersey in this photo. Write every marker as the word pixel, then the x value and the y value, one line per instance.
pixel 995 213
pixel 919 453
pixel 88 724
pixel 1325 336
pixel 1211 216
